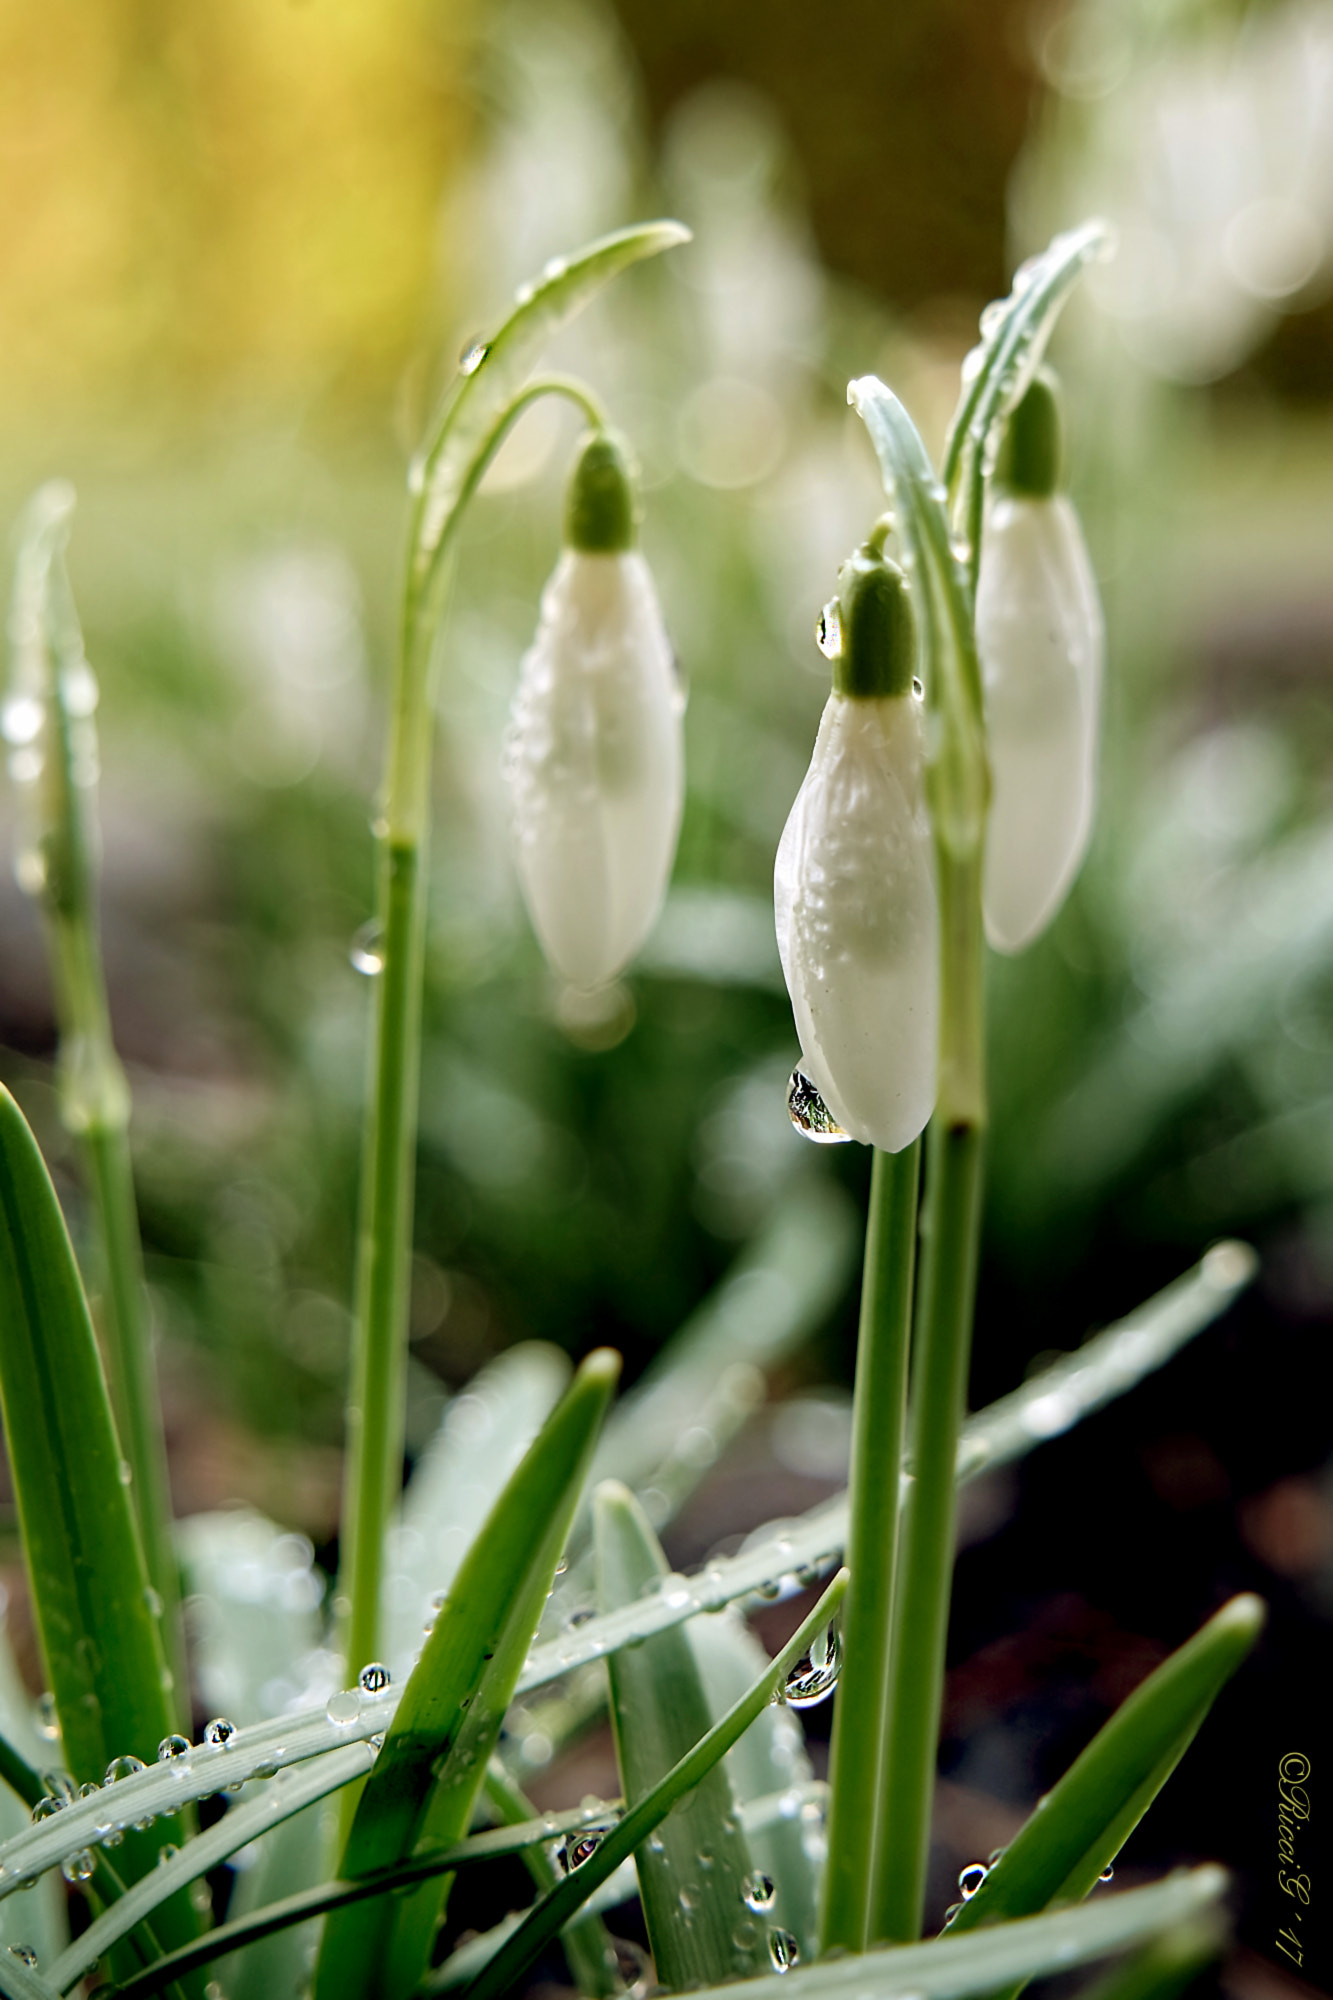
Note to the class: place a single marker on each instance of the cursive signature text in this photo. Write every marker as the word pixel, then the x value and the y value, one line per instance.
pixel 1293 1813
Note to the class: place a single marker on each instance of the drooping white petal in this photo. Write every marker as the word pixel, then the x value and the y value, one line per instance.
pixel 594 765
pixel 857 920
pixel 1041 642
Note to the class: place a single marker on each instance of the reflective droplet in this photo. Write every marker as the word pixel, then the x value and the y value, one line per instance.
pixel 366 950
pixel 991 318
pixel 113 1837
pixel 814 1678
pixel 783 1951
pixel 973 363
pixel 1106 1874
pixel 122 1767
pixel 79 1867
pixel 553 269
pixel 167 1852
pixel 828 630
pixel 219 1732
pixel 24 1953
pixel 374 1678
pixel 60 1784
pixel 48 1722
pixel 971 1878
pixel 952 1912
pixel 46 1806
pixel 918 688
pixel 343 1708
pixel 90 1790
pixel 173 1746
pixel 809 1113
pixel 757 1892
pixel 580 1847
pixel 21 719
pixel 470 360
pixel 524 292
pixel 582 1616
pixel 993 1856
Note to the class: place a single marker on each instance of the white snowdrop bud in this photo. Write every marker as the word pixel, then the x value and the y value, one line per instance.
pixel 594 759
pixel 854 884
pixel 1041 643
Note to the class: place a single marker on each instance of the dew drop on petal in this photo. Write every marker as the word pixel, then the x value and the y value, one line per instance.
pixel 783 1951
pixel 809 1113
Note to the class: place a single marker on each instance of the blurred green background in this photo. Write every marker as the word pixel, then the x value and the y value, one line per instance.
pixel 240 250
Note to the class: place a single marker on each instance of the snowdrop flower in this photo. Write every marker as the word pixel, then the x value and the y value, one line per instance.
pixel 854 886
pixel 1041 643
pixel 594 760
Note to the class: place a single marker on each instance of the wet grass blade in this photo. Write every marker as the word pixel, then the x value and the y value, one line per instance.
pixel 554 1911
pixel 434 1758
pixel 589 1952
pixel 100 1639
pixel 1080 1826
pixel 692 1875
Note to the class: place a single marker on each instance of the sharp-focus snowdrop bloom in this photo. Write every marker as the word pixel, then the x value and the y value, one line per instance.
pixel 594 759
pixel 854 886
pixel 1041 644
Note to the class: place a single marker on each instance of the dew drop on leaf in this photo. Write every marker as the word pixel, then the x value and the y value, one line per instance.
pixel 470 360
pixel 366 950
pixel 971 1878
pixel 828 630
pixel 78 1867
pixel 757 1891
pixel 783 1951
pixel 343 1708
pixel 173 1746
pixel 815 1676
pixel 24 1953
pixel 374 1678
pixel 122 1767
pixel 219 1732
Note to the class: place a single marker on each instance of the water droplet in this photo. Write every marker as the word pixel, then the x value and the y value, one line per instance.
pixel 991 318
pixel 60 1784
pixel 524 293
pixel 366 950
pixel 580 1847
pixel 343 1708
pixel 952 1912
pixel 470 360
pixel 167 1852
pixel 122 1767
pixel 173 1746
pixel 374 1678
pixel 201 1898
pixel 48 1723
pixel 783 1951
pixel 554 268
pixel 24 1953
pixel 582 1616
pixel 79 690
pixel 757 1892
pixel 814 1677
pixel 973 363
pixel 828 630
pixel 675 1591
pixel 113 1837
pixel 971 1878
pixel 809 1113
pixel 79 1867
pixel 46 1806
pixel 993 1856
pixel 1026 275
pixel 1106 1874
pixel 90 1790
pixel 744 1934
pixel 219 1733
pixel 918 687
pixel 21 719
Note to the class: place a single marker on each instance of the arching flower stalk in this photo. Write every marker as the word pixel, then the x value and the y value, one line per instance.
pixel 595 759
pixel 1041 643
pixel 854 889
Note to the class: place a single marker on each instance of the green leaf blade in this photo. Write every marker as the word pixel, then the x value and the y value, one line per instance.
pixel 698 1925
pixel 434 1757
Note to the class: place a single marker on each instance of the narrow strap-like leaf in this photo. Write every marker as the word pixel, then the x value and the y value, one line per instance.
pixel 555 1910
pixel 692 1877
pixel 434 1758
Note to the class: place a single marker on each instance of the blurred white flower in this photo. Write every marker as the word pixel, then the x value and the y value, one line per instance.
pixel 594 759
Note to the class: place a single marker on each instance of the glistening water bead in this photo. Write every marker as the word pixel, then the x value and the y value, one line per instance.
pixel 373 1679
pixel 814 1677
pixel 809 1113
pixel 122 1767
pixel 971 1878
pixel 79 1867
pixel 343 1708
pixel 219 1732
pixel 783 1951
pixel 579 1848
pixel 173 1746
pixel 757 1892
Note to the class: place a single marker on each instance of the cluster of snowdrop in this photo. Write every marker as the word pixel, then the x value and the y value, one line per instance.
pixel 595 774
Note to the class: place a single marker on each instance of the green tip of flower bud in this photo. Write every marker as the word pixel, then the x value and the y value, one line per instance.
pixel 878 651
pixel 601 517
pixel 1031 457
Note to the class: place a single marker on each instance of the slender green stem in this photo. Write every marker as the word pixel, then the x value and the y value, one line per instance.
pixel 878 1419
pixel 375 1408
pixel 941 1352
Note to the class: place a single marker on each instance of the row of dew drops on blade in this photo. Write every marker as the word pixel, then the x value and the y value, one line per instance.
pixel 971 1878
pixel 342 1709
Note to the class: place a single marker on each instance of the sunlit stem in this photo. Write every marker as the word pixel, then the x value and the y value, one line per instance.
pixel 878 1418
pixel 379 1343
pixel 95 1107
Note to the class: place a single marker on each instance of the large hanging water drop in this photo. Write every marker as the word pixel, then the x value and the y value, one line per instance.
pixel 809 1113
pixel 79 1867
pixel 971 1878
pixel 828 630
pixel 366 950
pixel 814 1677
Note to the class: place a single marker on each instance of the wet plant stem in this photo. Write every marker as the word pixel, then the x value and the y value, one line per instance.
pixel 941 1352
pixel 878 1421
pixel 587 1946
pixel 375 1412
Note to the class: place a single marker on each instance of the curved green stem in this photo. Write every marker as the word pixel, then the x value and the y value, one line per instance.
pixel 878 1418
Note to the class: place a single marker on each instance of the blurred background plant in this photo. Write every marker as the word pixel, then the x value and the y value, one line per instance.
pixel 233 250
